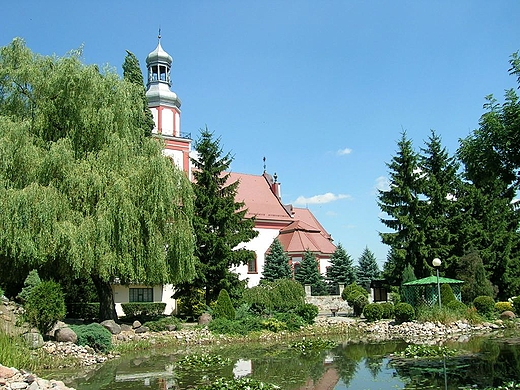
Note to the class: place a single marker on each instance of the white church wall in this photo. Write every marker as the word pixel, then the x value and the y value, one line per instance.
pixel 167 122
pixel 260 244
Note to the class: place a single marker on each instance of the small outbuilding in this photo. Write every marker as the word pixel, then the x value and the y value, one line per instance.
pixel 425 291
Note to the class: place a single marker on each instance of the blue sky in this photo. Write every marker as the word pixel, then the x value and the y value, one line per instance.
pixel 322 89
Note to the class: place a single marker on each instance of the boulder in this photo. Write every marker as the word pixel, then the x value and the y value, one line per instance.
pixel 112 326
pixel 142 329
pixel 205 319
pixel 507 315
pixel 136 324
pixel 65 335
pixel 33 340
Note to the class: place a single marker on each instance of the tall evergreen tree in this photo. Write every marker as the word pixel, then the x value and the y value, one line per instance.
pixel 402 206
pixel 367 269
pixel 439 216
pixel 341 270
pixel 491 161
pixel 276 264
pixel 83 191
pixel 219 222
pixel 309 273
pixel 133 74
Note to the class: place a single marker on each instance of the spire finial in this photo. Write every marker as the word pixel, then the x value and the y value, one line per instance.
pixel 159 36
pixel 264 164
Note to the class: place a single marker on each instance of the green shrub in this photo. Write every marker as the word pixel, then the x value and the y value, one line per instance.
pixel 223 307
pixel 250 323
pixel 447 295
pixel 516 304
pixel 404 312
pixel 225 326
pixel 192 305
pixel 143 309
pixel 273 324
pixel 87 311
pixel 282 295
pixel 163 324
pixel 356 296
pixel 1 292
pixel 457 307
pixel 373 312
pixel 45 306
pixel 94 335
pixel 485 305
pixel 503 306
pixel 292 321
pixel 308 312
pixel 388 310
pixel 31 281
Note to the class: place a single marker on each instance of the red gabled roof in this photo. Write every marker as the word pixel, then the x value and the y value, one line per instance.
pixel 259 200
pixel 306 234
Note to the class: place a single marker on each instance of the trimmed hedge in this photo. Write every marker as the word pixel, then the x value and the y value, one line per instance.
pixel 457 306
pixel 404 312
pixel 308 312
pixel 143 309
pixel 223 307
pixel 503 306
pixel 373 312
pixel 388 310
pixel 485 305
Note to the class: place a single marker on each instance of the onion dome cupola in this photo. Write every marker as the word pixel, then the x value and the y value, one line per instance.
pixel 158 91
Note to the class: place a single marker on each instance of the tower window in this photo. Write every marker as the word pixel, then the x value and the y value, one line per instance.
pixel 251 266
pixel 162 73
pixel 155 73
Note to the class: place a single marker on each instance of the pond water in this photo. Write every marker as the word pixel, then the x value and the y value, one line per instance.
pixel 482 362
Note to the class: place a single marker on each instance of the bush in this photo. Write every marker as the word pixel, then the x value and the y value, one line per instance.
pixel 273 324
pixel 503 306
pixel 308 312
pixel 192 305
pixel 225 326
pixel 143 309
pixel 224 308
pixel 373 312
pixel 31 281
pixel 388 310
pixel 292 321
pixel 282 295
pixel 356 296
pixel 87 311
pixel 162 324
pixel 457 307
pixel 447 295
pixel 516 304
pixel 45 306
pixel 94 335
pixel 484 305
pixel 404 312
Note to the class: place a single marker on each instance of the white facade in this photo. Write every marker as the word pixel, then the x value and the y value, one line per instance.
pixel 161 293
pixel 260 244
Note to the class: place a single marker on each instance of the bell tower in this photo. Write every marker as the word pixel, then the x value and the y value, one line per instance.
pixel 165 106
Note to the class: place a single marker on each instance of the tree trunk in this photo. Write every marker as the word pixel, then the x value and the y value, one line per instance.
pixel 107 307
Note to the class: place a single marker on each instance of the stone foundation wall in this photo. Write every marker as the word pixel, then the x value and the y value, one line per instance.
pixel 325 303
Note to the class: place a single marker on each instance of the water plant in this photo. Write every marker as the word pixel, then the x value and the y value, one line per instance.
pixel 238 384
pixel 426 351
pixel 315 344
pixel 202 361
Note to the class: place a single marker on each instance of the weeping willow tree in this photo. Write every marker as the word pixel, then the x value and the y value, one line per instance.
pixel 83 191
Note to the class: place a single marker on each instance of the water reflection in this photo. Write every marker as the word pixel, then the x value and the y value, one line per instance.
pixel 484 362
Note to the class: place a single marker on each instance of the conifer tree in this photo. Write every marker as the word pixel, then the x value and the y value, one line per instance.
pixel 402 206
pixel 276 264
pixel 341 270
pixel 367 269
pixel 219 223
pixel 308 273
pixel 133 74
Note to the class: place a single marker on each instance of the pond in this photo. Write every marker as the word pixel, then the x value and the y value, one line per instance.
pixel 480 362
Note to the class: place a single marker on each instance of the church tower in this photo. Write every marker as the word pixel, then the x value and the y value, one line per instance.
pixel 165 107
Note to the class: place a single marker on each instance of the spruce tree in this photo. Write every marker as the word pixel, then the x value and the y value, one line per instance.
pixel 367 269
pixel 276 264
pixel 133 74
pixel 402 206
pixel 219 223
pixel 308 273
pixel 341 270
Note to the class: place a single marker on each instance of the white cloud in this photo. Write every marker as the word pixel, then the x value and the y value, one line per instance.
pixel 343 152
pixel 319 199
pixel 382 184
